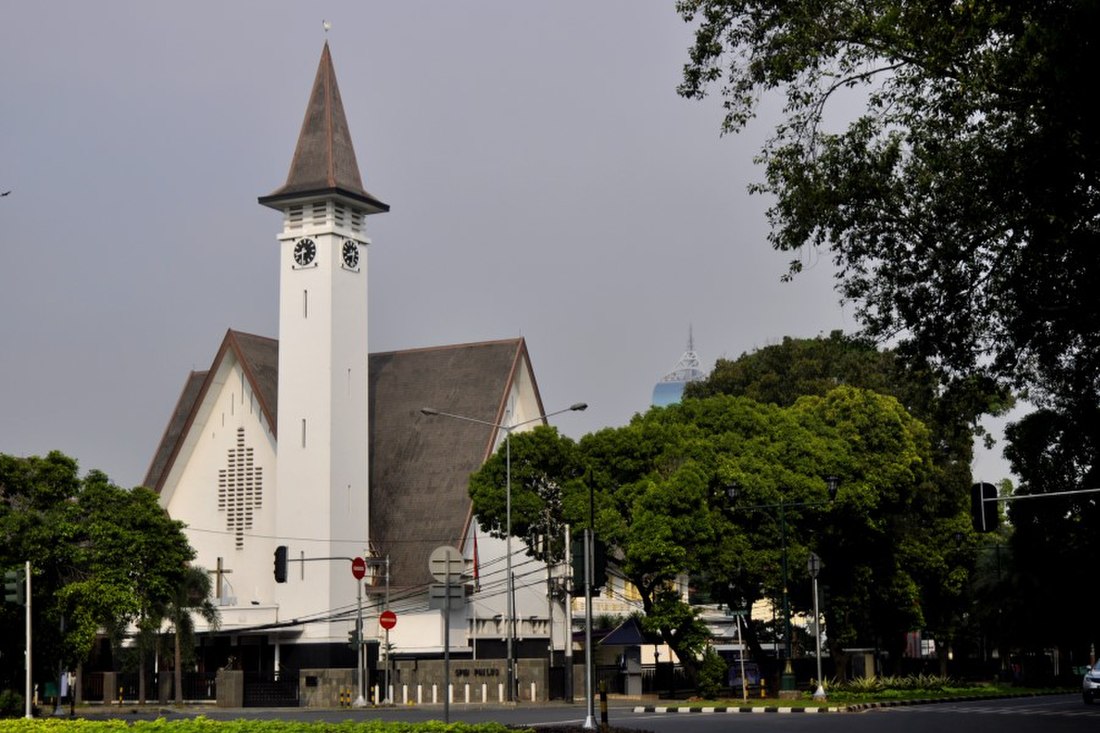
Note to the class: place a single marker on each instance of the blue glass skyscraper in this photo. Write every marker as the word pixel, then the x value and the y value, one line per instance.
pixel 670 389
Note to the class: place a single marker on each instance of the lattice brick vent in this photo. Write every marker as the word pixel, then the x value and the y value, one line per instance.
pixel 240 489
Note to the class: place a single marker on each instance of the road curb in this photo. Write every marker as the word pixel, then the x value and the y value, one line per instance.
pixel 747 709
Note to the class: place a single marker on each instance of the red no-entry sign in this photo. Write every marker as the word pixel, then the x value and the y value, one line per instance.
pixel 387 620
pixel 358 568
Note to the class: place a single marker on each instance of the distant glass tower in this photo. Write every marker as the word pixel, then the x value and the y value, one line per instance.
pixel 670 389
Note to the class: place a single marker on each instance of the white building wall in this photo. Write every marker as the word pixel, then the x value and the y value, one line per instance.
pixel 223 520
pixel 323 467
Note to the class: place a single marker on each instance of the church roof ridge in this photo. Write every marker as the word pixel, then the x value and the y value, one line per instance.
pixel 324 161
pixel 444 347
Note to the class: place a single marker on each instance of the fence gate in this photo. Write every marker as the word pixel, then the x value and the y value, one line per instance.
pixel 267 692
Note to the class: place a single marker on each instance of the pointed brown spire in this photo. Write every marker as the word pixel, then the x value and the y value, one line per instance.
pixel 324 161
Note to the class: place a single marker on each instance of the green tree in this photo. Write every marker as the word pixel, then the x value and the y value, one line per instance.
pixel 944 155
pixel 1054 453
pixel 103 557
pixel 659 490
pixel 543 461
pixel 783 373
pixel 189 597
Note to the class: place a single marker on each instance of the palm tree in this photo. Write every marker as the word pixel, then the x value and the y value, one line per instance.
pixel 191 596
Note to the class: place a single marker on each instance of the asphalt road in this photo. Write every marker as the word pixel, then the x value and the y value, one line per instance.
pixel 1049 714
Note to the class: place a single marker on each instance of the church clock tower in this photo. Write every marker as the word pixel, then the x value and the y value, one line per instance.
pixel 321 500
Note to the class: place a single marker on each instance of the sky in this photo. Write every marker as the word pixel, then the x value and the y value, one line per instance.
pixel 545 180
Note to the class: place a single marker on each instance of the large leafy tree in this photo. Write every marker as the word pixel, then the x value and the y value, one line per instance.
pixel 102 557
pixel 1053 529
pixel 944 154
pixel 785 372
pixel 658 490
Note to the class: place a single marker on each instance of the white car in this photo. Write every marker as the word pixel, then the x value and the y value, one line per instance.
pixel 1090 685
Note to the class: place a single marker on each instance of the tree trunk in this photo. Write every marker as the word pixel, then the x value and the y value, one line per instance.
pixel 941 656
pixel 141 674
pixel 177 672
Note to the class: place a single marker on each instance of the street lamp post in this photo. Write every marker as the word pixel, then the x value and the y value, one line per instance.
pixel 507 428
pixel 813 566
pixel 832 483
pixel 589 549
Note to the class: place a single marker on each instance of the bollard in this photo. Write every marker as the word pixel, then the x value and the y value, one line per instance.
pixel 603 704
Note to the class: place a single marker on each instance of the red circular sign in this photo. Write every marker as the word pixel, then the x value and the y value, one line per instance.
pixel 387 619
pixel 358 568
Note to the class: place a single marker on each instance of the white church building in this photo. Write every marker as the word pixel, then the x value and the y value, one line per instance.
pixel 314 443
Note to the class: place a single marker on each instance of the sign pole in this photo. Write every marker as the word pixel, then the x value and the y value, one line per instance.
pixel 447 650
pixel 358 571
pixel 361 701
pixel 814 565
pixel 741 655
pixel 387 620
pixel 27 607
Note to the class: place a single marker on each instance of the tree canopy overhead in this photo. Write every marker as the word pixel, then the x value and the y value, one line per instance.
pixel 960 202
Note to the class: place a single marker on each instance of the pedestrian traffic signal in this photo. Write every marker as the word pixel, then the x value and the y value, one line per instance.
pixel 983 507
pixel 15 589
pixel 280 564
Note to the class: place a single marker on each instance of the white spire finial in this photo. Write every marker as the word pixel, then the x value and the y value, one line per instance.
pixel 326 25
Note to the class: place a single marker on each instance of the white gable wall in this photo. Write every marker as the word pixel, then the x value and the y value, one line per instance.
pixel 222 486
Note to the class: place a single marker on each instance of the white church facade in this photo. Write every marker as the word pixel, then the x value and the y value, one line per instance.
pixel 313 443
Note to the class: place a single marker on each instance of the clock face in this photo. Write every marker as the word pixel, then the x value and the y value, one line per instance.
pixel 351 254
pixel 304 252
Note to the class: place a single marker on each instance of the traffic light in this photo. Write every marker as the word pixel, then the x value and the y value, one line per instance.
pixel 599 565
pixel 15 587
pixel 280 564
pixel 983 507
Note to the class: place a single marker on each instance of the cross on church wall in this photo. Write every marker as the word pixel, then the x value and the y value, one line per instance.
pixel 218 573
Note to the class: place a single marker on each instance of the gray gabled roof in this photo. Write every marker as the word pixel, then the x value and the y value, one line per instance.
pixel 419 465
pixel 258 356
pixel 324 163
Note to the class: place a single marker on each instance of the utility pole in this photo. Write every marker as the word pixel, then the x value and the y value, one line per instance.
pixel 568 629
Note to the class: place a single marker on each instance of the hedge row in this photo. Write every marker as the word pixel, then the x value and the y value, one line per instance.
pixel 205 725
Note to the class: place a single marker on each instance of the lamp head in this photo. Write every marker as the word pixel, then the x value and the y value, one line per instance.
pixel 579 407
pixel 832 483
pixel 429 410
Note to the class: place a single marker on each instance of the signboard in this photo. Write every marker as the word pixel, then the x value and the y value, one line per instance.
pixel 358 568
pixel 387 620
pixel 751 677
pixel 446 564
pixel 437 596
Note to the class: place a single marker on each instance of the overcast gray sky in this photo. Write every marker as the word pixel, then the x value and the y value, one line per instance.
pixel 545 179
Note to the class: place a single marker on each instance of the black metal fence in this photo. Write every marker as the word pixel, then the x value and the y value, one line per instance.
pixel 197 687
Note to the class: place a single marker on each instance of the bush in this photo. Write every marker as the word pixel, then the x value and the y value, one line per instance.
pixel 11 704
pixel 712 675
